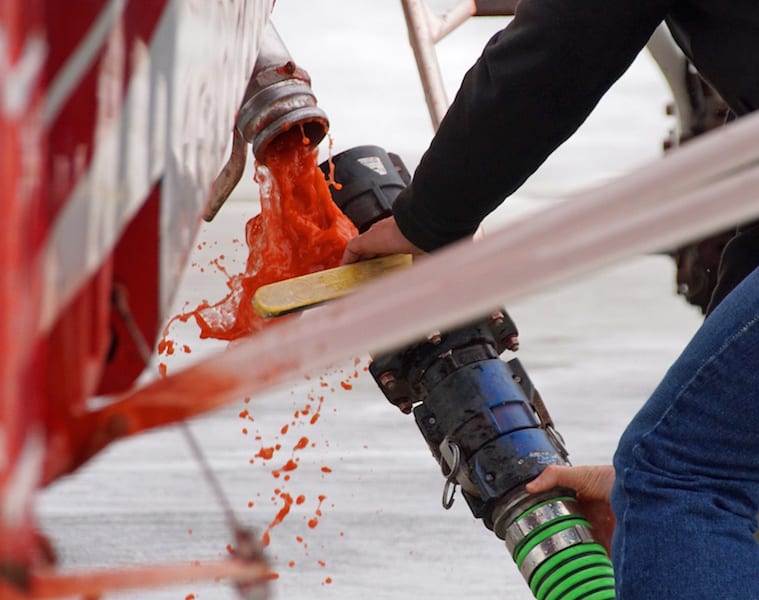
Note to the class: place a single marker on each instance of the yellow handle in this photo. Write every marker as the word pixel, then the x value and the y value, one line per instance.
pixel 298 293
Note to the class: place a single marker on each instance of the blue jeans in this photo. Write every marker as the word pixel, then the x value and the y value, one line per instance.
pixel 686 495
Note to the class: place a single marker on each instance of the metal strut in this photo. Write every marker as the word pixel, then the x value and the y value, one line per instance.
pixel 246 546
pixel 426 28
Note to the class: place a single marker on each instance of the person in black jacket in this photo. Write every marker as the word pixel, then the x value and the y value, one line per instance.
pixel 534 85
pixel 686 473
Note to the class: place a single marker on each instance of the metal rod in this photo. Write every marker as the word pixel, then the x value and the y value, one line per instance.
pixel 423 46
pixel 228 177
pixel 425 29
pixel 453 18
pixel 121 303
pixel 210 477
pixel 49 583
pixel 673 66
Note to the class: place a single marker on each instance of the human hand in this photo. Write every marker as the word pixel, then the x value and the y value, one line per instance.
pixel 593 487
pixel 380 239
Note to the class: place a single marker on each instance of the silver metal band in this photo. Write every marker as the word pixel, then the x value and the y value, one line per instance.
pixel 572 536
pixel 522 527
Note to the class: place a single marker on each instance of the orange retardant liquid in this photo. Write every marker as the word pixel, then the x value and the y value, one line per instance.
pixel 298 231
pixel 283 512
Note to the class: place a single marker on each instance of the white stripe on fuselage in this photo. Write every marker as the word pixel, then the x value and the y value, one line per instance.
pixel 17 80
pixel 69 76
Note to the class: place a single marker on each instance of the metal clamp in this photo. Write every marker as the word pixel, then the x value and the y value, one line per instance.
pixel 538 517
pixel 454 453
pixel 578 534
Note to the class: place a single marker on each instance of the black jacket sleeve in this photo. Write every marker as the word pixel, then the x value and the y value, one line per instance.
pixel 533 86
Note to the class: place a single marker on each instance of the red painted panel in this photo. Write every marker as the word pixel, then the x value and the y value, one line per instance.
pixel 22 145
pixel 73 130
pixel 136 272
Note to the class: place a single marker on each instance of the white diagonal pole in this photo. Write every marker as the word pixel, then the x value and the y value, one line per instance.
pixel 707 185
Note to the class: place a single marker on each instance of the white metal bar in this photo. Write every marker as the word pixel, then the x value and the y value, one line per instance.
pixel 423 45
pixel 453 18
pixel 425 29
pixel 49 584
pixel 673 66
pixel 702 187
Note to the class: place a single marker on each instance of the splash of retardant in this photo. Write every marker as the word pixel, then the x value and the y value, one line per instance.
pixel 298 231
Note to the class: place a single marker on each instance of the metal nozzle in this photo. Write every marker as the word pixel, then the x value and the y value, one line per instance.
pixel 278 98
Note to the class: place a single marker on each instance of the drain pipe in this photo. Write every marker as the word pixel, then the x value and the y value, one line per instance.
pixel 278 98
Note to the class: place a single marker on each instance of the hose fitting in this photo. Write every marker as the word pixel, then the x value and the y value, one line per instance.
pixel 482 418
pixel 487 427
pixel 553 547
pixel 278 98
